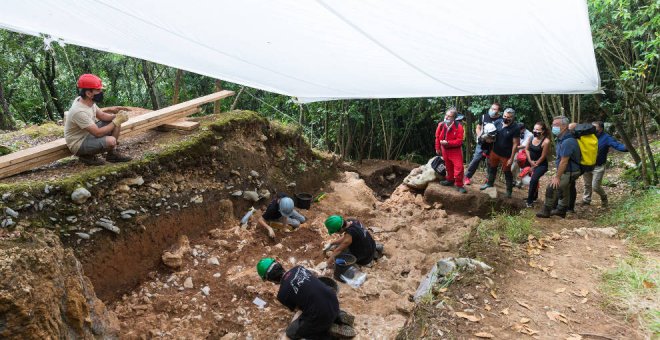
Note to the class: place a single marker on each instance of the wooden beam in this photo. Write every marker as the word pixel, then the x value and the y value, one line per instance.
pixel 27 159
pixel 183 125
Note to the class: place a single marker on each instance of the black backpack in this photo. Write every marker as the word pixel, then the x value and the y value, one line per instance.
pixel 438 164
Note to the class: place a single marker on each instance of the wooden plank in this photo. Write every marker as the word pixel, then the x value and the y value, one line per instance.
pixel 184 125
pixel 132 124
pixel 34 163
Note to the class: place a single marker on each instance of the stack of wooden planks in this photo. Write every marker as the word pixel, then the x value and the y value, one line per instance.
pixel 43 154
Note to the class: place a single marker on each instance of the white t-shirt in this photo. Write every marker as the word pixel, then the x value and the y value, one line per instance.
pixel 527 137
pixel 79 117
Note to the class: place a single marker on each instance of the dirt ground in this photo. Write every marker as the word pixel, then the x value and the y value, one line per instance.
pixel 558 280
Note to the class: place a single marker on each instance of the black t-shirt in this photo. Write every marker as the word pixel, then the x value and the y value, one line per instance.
pixel 363 245
pixel 272 212
pixel 300 289
pixel 504 141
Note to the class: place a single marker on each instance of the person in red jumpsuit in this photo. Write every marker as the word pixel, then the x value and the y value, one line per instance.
pixel 449 144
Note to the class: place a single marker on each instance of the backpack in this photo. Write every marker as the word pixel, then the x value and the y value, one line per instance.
pixel 438 164
pixel 585 134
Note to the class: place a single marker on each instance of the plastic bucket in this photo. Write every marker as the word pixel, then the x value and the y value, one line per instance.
pixel 343 264
pixel 303 200
pixel 328 281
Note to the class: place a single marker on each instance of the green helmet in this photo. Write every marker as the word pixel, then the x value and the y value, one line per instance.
pixel 264 265
pixel 334 223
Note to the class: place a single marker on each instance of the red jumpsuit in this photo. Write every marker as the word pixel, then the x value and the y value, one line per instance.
pixel 452 152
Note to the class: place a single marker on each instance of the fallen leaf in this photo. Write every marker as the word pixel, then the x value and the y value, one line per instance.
pixel 484 335
pixel 492 293
pixel 648 284
pixel 472 318
pixel 582 293
pixel 505 311
pixel 487 307
pixel 521 272
pixel 574 336
pixel 524 304
pixel 556 316
pixel 524 320
pixel 521 328
pixel 560 290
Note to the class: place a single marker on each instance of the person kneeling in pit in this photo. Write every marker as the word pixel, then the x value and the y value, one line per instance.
pixel 321 317
pixel 356 241
pixel 280 213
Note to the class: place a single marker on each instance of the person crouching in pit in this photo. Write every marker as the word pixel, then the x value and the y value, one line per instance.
pixel 449 144
pixel 355 240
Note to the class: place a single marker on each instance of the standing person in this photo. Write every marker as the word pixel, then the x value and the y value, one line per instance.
pixel 568 168
pixel 504 151
pixel 449 144
pixel 593 179
pixel 321 317
pixel 537 157
pixel 88 131
pixel 492 117
pixel 525 137
pixel 355 240
pixel 280 211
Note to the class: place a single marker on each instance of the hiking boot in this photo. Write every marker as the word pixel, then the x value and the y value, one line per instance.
pixel 570 211
pixel 116 157
pixel 558 212
pixel 346 318
pixel 466 181
pixel 485 186
pixel 529 205
pixel 378 253
pixel 544 213
pixel 446 183
pixel 461 190
pixel 92 160
pixel 603 201
pixel 342 331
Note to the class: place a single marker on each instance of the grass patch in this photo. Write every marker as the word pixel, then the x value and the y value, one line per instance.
pixel 515 228
pixel 632 289
pixel 638 217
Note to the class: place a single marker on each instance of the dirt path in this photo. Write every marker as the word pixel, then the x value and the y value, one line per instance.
pixel 560 277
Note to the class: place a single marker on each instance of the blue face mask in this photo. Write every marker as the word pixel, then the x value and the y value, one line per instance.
pixel 448 121
pixel 492 113
pixel 556 130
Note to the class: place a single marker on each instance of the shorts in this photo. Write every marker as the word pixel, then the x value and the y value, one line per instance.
pixel 94 145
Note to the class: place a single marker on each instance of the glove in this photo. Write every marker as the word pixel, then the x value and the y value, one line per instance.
pixel 120 118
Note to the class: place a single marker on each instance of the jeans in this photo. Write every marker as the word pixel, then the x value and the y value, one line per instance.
pixel 552 195
pixel 474 163
pixel 533 192
pixel 593 182
pixel 295 219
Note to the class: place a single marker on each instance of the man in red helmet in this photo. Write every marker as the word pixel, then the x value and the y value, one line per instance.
pixel 88 131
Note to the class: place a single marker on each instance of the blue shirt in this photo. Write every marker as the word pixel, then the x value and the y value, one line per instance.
pixel 567 146
pixel 604 143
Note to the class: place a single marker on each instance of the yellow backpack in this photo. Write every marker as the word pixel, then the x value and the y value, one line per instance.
pixel 585 134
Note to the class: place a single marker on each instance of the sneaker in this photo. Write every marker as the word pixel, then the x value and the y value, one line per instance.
pixel 603 201
pixel 529 205
pixel 447 183
pixel 466 181
pixel 342 331
pixel 116 157
pixel 346 318
pixel 485 186
pixel 461 190
pixel 92 160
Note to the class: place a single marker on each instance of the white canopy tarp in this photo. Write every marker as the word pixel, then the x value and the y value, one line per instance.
pixel 329 49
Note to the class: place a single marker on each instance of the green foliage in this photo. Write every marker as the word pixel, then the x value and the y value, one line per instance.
pixel 638 217
pixel 515 228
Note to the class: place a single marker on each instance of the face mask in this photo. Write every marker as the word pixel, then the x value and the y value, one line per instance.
pixel 537 134
pixel 98 97
pixel 448 121
pixel 556 130
pixel 492 113
pixel 507 121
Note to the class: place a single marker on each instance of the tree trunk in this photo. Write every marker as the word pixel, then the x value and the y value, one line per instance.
pixel 49 78
pixel 216 104
pixel 626 141
pixel 177 86
pixel 238 95
pixel 6 119
pixel 155 104
pixel 636 123
pixel 44 92
pixel 649 152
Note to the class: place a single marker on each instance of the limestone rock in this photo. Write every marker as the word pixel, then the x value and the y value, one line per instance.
pixel 133 181
pixel 420 177
pixel 80 195
pixel 174 258
pixel 197 199
pixel 251 196
pixel 188 283
pixel 11 212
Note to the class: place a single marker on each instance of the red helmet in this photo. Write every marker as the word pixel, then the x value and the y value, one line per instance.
pixel 90 81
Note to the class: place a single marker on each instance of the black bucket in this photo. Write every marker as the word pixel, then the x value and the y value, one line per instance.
pixel 303 200
pixel 343 265
pixel 328 281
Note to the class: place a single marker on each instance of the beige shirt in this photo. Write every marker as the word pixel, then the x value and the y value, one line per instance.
pixel 79 117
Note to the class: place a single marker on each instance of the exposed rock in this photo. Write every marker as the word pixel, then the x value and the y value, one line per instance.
pixel 123 188
pixel 216 233
pixel 197 199
pixel 251 196
pixel 254 174
pixel 40 300
pixel 84 236
pixel 235 173
pixel 6 196
pixel 214 261
pixel 291 185
pixel 174 258
pixel 237 193
pixel 264 193
pixel 491 192
pixel 472 222
pixel 420 177
pixel 80 195
pixel 133 181
pixel 188 283
pixel 11 212
pixel 593 232
pixel 72 219
pixel 441 271
pixel 107 224
pixel 7 222
pixel 205 290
